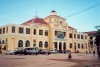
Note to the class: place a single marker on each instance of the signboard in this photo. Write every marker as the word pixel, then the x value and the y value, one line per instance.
pixel 60 35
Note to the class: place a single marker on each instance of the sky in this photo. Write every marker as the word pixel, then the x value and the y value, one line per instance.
pixel 20 11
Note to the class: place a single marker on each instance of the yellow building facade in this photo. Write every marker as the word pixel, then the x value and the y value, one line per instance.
pixel 51 32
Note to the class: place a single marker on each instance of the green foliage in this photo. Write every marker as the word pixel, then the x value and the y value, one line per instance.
pixel 97 35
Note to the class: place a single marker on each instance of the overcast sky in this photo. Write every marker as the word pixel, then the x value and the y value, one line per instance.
pixel 19 11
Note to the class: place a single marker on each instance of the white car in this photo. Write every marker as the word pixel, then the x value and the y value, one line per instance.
pixel 10 52
pixel 53 51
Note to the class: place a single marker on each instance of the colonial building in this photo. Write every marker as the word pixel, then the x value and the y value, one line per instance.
pixel 45 33
pixel 91 45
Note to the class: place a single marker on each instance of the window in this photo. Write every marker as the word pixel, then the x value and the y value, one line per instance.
pixel 74 35
pixel 85 37
pixel 27 44
pixel 70 46
pixel 79 46
pixel 91 42
pixel 46 32
pixel 91 37
pixel 78 36
pixel 13 29
pixel 34 43
pixel 6 29
pixel 40 44
pixel 46 44
pixel 40 32
pixel 4 47
pixel 0 41
pixel 55 33
pixel 70 35
pixel 60 22
pixel 55 45
pixel 81 36
pixel 34 32
pixel 3 30
pixel 86 46
pixel 20 30
pixel 27 30
pixel 20 43
pixel 64 34
pixel 82 46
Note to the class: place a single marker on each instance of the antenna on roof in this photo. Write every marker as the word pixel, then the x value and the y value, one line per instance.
pixel 36 14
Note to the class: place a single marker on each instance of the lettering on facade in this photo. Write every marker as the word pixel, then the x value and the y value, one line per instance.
pixel 60 35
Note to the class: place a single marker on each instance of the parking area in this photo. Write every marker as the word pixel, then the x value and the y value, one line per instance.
pixel 52 60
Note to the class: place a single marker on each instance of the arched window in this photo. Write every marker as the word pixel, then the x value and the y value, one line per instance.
pixel 34 43
pixel 40 44
pixel 60 46
pixel 3 41
pixel 64 46
pixel 82 46
pixel 0 41
pixel 79 46
pixel 27 44
pixel 56 45
pixel 46 44
pixel 70 46
pixel 20 43
pixel 86 46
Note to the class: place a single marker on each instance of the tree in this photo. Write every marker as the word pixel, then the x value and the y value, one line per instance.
pixel 97 40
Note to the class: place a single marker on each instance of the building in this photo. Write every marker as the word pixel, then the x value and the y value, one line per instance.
pixel 92 46
pixel 45 33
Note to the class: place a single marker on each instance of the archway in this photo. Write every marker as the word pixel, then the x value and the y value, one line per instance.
pixel 55 46
pixel 60 46
pixel 40 44
pixel 46 44
pixel 64 46
pixel 75 46
pixel 27 44
pixel 20 43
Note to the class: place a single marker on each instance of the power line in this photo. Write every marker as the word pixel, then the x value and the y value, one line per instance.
pixel 84 10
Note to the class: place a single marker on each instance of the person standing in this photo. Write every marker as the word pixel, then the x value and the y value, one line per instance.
pixel 86 52
pixel 93 53
pixel 46 52
pixel 69 56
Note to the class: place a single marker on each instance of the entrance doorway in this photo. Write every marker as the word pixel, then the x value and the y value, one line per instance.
pixel 0 50
pixel 64 46
pixel 55 45
pixel 60 46
pixel 75 46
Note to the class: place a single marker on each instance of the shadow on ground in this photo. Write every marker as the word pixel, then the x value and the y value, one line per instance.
pixel 81 63
pixel 14 58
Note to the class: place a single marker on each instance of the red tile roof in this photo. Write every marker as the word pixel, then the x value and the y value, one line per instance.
pixel 35 20
pixel 90 32
pixel 71 27
pixel 54 16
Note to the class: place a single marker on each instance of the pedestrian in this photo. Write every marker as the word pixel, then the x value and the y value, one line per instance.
pixel 46 52
pixel 90 52
pixel 69 56
pixel 93 53
pixel 86 52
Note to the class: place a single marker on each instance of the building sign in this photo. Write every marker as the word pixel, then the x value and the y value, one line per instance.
pixel 60 35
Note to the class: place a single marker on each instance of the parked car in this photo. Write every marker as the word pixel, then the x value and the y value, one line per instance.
pixel 32 50
pixel 23 51
pixel 53 51
pixel 64 51
pixel 10 52
pixel 44 52
pixel 59 51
